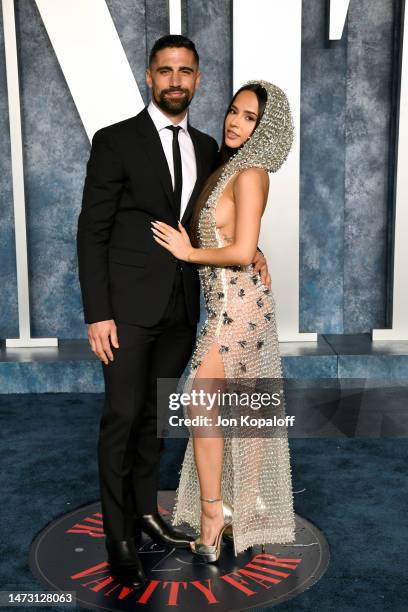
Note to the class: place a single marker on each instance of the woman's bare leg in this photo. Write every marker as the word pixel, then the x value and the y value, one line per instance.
pixel 209 451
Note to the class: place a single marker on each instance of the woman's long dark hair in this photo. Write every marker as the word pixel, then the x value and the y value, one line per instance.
pixel 224 155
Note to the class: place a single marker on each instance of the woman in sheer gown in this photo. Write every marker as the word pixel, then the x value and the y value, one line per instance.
pixel 242 483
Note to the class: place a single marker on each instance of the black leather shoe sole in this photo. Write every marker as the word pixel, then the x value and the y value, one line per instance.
pixel 169 543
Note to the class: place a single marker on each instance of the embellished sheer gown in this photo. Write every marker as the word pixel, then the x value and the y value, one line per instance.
pixel 256 477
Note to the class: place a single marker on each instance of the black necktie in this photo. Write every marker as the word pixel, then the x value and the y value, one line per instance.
pixel 178 172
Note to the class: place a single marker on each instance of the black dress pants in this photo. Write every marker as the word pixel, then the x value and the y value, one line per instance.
pixel 128 447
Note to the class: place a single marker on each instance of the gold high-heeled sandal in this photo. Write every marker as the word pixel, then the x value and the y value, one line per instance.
pixel 212 552
pixel 228 537
pixel 260 508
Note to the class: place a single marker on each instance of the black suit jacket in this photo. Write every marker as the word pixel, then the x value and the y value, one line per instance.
pixel 124 274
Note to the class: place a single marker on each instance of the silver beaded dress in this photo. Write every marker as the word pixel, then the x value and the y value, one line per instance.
pixel 256 478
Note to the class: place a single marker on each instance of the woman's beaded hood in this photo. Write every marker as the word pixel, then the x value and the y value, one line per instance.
pixel 271 141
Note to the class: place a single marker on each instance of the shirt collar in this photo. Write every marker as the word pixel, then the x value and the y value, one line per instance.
pixel 161 121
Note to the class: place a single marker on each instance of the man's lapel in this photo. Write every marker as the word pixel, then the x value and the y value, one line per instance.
pixel 199 163
pixel 154 150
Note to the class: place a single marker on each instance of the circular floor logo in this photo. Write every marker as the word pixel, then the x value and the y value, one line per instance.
pixel 69 555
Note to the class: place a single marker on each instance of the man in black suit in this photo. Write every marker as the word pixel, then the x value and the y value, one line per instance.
pixel 141 304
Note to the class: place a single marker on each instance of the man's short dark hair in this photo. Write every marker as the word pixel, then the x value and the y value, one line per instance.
pixel 173 40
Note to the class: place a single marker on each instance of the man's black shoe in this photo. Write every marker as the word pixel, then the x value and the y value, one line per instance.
pixel 125 563
pixel 162 533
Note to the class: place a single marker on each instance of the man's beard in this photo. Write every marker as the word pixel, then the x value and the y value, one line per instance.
pixel 173 107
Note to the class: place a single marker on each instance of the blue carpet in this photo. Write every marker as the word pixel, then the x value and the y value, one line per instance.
pixel 354 490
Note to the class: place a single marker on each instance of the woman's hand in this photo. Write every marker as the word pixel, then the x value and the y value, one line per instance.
pixel 261 266
pixel 177 242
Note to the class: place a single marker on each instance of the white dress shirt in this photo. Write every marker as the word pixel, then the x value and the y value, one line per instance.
pixel 188 160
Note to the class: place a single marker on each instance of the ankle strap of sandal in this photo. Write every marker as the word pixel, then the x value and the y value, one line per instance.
pixel 210 501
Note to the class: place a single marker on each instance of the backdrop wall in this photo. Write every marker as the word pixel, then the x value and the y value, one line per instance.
pixel 347 156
